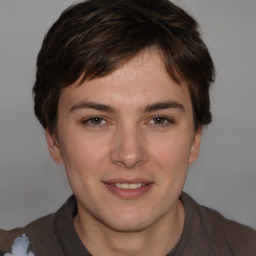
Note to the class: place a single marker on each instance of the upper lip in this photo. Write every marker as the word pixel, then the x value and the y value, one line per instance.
pixel 127 181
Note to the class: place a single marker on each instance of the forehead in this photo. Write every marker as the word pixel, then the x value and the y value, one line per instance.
pixel 141 80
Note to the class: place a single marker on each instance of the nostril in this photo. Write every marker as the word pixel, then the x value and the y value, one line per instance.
pixel 128 149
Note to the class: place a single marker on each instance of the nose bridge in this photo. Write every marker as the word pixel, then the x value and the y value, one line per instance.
pixel 129 149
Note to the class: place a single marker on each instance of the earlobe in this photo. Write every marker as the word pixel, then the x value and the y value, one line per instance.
pixel 53 146
pixel 195 146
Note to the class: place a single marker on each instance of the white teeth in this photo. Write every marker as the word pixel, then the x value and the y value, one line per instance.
pixel 129 186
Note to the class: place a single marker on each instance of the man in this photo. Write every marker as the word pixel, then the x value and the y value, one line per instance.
pixel 122 90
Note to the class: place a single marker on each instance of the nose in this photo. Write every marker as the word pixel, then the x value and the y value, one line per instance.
pixel 129 148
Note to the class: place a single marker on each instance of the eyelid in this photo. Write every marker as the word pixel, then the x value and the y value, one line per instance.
pixel 87 121
pixel 168 119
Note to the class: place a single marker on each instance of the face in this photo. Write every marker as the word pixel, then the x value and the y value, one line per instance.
pixel 126 141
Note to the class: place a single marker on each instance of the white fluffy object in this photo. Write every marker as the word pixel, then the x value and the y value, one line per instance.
pixel 20 247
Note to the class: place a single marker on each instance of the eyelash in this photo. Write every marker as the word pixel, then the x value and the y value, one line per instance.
pixel 163 121
pixel 167 121
pixel 89 121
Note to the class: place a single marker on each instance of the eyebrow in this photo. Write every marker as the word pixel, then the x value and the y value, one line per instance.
pixel 149 108
pixel 92 105
pixel 164 105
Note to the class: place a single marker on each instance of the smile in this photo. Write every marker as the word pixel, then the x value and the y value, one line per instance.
pixel 128 186
pixel 125 189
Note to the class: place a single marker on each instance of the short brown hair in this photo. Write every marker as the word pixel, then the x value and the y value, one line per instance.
pixel 93 38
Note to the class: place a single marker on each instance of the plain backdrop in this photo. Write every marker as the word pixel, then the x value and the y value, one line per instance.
pixel 224 176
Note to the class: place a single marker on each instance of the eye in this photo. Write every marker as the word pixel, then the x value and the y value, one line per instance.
pixel 160 121
pixel 95 121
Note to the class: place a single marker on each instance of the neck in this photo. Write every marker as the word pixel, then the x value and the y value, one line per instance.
pixel 158 239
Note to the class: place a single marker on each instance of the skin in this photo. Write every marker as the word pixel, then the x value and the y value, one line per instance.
pixel 134 124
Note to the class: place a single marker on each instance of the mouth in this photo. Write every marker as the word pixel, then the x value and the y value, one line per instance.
pixel 127 185
pixel 128 189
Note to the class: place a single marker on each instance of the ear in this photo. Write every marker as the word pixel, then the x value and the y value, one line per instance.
pixel 53 146
pixel 195 146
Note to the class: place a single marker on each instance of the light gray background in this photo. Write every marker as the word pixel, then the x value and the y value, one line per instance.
pixel 223 177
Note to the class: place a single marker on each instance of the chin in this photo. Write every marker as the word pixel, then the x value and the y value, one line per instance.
pixel 126 227
pixel 128 222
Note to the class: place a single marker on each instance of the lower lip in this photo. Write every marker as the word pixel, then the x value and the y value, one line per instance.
pixel 129 193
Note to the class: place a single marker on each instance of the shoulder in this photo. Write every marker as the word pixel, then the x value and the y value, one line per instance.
pixel 39 232
pixel 42 236
pixel 226 236
pixel 240 239
pixel 7 238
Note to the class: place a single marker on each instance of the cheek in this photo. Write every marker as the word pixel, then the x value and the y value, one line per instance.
pixel 173 152
pixel 83 163
pixel 171 159
pixel 82 155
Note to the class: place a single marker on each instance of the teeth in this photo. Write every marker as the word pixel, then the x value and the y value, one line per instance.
pixel 129 186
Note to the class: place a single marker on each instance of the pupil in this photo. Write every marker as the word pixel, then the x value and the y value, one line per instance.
pixel 159 120
pixel 96 120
